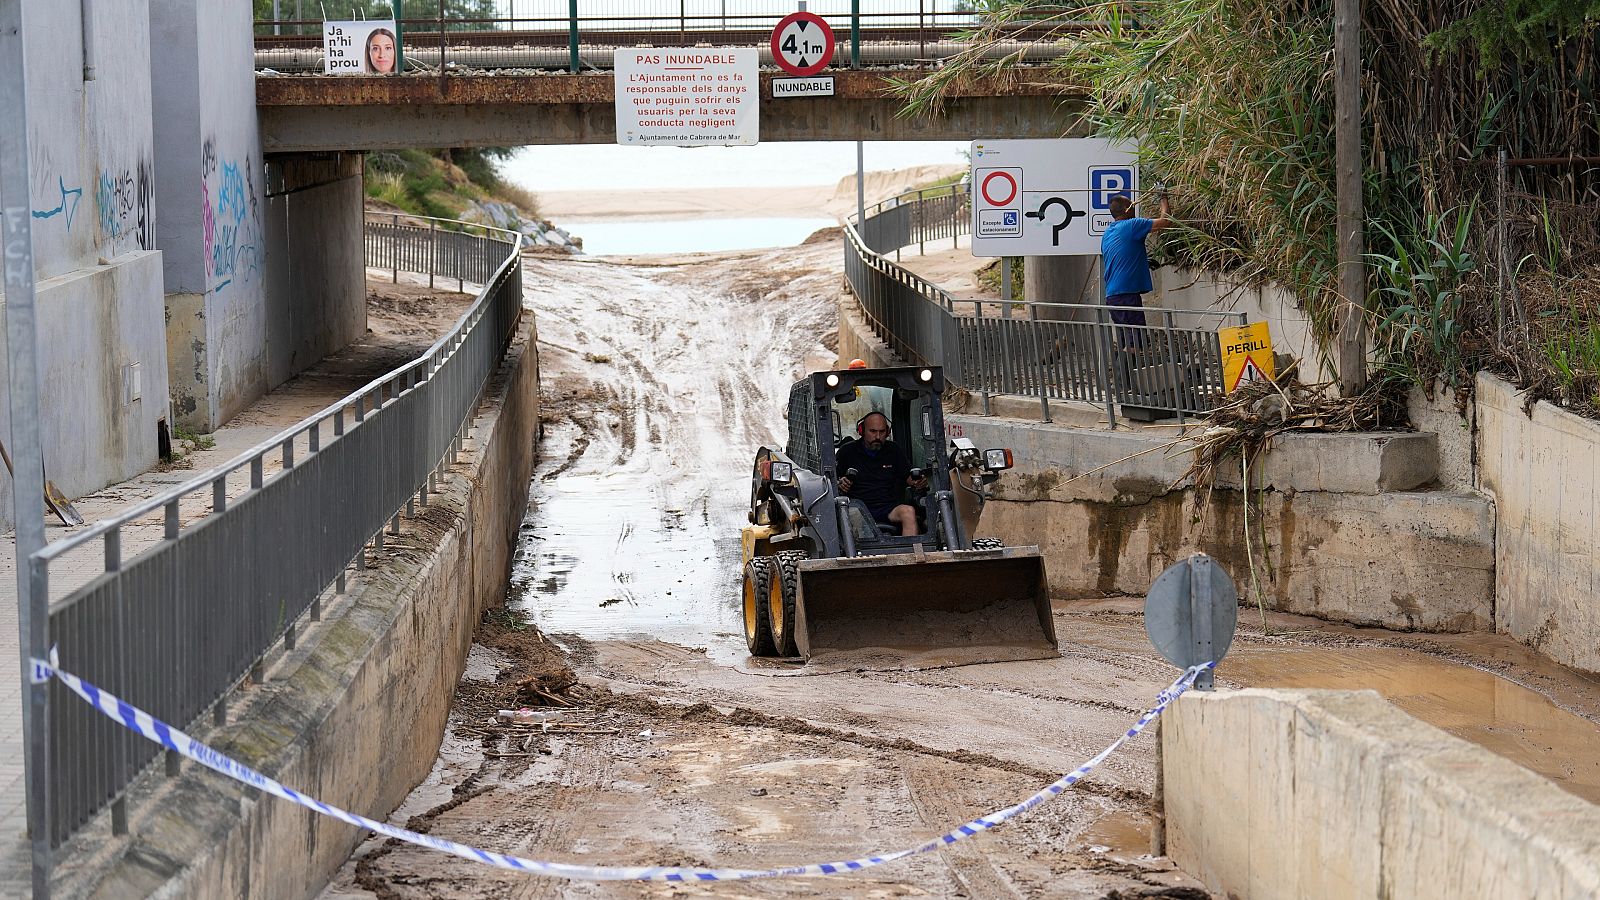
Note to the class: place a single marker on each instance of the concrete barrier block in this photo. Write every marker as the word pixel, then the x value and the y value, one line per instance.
pixel 1351 798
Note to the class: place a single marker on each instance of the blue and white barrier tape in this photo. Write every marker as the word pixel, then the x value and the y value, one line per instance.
pixel 150 727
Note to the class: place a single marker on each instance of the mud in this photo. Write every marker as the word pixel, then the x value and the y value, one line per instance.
pixel 662 744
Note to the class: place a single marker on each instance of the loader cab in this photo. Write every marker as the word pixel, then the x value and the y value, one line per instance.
pixel 826 408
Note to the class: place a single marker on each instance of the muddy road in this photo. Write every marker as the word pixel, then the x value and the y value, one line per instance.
pixel 661 744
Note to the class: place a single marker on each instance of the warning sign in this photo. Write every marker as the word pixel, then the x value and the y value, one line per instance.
pixel 1246 354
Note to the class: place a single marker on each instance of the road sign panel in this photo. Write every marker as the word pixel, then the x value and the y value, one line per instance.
pixel 802 44
pixel 1246 354
pixel 1047 197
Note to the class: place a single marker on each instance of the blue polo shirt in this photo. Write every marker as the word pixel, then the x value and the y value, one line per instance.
pixel 1123 257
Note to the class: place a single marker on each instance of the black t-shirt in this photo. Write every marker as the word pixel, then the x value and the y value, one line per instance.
pixel 880 478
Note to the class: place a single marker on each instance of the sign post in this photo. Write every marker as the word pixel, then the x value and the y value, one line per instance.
pixel 688 97
pixel 1047 197
pixel 802 45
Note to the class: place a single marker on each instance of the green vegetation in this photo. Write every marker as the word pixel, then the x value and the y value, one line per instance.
pixel 300 10
pixel 200 441
pixel 1232 103
pixel 443 183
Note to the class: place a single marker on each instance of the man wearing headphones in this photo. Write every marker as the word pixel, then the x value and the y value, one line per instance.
pixel 882 473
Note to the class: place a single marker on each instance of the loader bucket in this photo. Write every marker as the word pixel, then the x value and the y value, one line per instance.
pixel 942 608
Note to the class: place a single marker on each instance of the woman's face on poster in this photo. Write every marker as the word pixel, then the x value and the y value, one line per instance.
pixel 380 53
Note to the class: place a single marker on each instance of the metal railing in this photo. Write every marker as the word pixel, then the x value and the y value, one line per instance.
pixel 1167 362
pixel 176 625
pixel 581 34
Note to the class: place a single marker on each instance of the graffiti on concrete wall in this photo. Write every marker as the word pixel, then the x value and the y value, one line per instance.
pixel 124 201
pixel 67 208
pixel 231 219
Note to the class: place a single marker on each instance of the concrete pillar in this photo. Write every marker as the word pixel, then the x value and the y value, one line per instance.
pixel 1062 279
pixel 102 354
pixel 209 179
pixel 316 259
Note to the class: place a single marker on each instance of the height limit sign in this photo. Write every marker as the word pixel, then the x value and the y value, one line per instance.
pixel 802 44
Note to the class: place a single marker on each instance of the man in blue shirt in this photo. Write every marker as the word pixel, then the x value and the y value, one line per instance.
pixel 1125 264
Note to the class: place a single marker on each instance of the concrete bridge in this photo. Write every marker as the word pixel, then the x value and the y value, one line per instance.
pixel 318 114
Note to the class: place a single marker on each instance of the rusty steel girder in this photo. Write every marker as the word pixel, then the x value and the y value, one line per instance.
pixel 598 88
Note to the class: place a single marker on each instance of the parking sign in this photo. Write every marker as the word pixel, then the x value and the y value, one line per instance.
pixel 1047 197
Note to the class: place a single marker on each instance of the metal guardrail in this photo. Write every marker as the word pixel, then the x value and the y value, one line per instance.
pixel 177 626
pixel 577 35
pixel 1052 351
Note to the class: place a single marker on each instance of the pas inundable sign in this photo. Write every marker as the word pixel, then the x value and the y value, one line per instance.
pixel 1246 354
pixel 685 97
pixel 360 48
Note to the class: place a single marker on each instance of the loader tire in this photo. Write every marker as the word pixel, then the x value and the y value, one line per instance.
pixel 988 544
pixel 785 587
pixel 758 580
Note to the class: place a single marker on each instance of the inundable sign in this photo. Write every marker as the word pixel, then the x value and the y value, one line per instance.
pixel 1246 354
pixel 802 44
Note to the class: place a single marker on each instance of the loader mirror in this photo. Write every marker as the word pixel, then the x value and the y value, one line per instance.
pixel 996 460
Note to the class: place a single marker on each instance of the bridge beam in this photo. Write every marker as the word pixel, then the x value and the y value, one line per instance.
pixel 316 114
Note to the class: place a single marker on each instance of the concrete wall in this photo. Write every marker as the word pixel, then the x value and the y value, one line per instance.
pixel 316 260
pixel 103 361
pixel 1331 794
pixel 388 666
pixel 210 176
pixel 1292 331
pixel 1541 471
pixel 1329 501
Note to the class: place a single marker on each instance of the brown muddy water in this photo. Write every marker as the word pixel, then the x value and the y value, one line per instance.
pixel 660 378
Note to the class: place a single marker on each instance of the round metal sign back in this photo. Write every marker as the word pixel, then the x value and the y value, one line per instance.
pixel 1189 596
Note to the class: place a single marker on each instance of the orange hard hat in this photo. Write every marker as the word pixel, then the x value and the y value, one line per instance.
pixel 857 364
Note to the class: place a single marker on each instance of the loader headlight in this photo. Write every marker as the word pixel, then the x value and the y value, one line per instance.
pixel 996 460
pixel 779 472
pixel 833 381
pixel 926 374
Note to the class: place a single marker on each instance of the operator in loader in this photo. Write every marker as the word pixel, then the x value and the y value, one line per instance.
pixel 881 474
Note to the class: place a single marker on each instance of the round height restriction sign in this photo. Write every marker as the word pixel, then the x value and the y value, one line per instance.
pixel 802 44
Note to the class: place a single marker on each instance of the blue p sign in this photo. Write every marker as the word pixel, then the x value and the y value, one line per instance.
pixel 1106 182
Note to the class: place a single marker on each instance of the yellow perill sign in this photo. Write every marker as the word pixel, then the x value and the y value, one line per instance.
pixel 1246 354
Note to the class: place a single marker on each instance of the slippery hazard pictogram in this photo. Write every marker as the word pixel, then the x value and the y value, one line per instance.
pixel 1246 354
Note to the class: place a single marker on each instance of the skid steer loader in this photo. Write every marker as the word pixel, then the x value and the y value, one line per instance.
pixel 821 576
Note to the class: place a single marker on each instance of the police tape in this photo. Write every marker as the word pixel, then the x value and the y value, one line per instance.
pixel 143 723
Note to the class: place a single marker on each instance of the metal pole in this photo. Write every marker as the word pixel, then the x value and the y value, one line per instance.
pixel 1347 174
pixel 443 85
pixel 861 189
pixel 855 34
pixel 33 614
pixel 399 37
pixel 572 37
pixel 682 23
pixel 276 28
pixel 1200 612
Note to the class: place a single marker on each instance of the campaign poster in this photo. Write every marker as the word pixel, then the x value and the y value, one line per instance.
pixel 360 48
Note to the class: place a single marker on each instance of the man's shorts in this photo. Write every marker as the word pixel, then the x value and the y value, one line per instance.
pixel 880 514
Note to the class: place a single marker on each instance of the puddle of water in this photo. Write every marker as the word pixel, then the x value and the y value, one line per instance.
pixel 1502 717
pixel 1118 835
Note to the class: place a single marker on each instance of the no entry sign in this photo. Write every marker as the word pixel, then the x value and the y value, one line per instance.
pixel 802 44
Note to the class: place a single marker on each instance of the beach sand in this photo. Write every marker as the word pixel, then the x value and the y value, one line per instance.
pixel 835 200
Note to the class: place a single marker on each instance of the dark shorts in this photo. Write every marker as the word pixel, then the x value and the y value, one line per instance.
pixel 1131 311
pixel 880 513
pixel 1127 309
